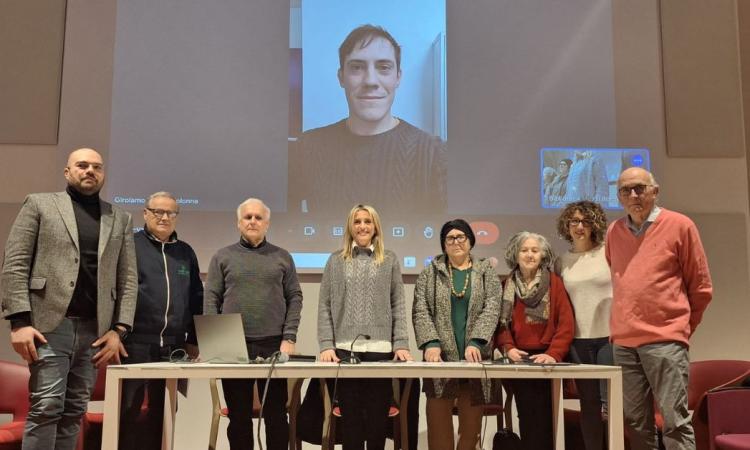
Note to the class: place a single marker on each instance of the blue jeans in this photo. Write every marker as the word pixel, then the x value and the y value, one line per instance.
pixel 593 393
pixel 60 386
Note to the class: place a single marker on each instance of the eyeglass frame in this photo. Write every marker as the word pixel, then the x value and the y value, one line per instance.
pixel 586 223
pixel 459 239
pixel 159 213
pixel 626 191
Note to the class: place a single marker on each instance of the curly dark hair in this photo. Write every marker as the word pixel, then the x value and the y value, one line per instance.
pixel 591 211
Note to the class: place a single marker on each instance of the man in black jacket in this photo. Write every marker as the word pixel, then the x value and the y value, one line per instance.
pixel 170 292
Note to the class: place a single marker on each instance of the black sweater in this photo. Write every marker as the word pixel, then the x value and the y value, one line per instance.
pixel 88 215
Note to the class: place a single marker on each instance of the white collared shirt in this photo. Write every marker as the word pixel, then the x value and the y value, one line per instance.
pixel 637 231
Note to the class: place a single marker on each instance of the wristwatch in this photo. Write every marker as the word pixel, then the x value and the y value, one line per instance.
pixel 291 341
pixel 121 331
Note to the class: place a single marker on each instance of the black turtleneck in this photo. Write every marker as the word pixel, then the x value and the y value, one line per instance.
pixel 245 243
pixel 87 210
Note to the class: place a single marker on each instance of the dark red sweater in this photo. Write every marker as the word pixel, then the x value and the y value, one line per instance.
pixel 552 337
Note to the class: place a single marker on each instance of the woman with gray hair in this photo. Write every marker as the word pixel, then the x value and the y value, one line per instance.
pixel 537 326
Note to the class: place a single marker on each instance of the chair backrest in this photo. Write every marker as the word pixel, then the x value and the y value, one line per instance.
pixel 101 377
pixel 14 389
pixel 728 412
pixel 570 390
pixel 706 375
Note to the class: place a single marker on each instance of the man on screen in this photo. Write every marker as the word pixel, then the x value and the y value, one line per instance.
pixel 371 156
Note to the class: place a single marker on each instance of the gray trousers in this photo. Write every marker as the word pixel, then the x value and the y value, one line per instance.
pixel 60 386
pixel 656 373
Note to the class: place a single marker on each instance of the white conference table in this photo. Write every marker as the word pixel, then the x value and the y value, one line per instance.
pixel 171 372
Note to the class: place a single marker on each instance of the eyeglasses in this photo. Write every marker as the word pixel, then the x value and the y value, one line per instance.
pixel 575 222
pixel 638 188
pixel 459 239
pixel 161 212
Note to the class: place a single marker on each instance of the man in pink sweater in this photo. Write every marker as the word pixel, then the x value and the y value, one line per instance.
pixel 661 286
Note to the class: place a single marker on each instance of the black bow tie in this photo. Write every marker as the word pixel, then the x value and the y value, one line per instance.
pixel 362 251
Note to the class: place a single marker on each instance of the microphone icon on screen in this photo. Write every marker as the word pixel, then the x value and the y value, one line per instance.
pixel 354 359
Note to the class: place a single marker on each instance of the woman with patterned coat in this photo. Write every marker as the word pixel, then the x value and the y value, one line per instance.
pixel 455 313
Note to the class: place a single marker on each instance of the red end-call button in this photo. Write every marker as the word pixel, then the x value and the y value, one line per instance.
pixel 486 232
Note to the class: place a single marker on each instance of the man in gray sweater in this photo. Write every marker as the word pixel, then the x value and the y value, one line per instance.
pixel 258 280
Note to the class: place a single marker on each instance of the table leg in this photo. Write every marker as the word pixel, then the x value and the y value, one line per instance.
pixel 111 420
pixel 170 414
pixel 404 414
pixel 615 432
pixel 327 417
pixel 558 419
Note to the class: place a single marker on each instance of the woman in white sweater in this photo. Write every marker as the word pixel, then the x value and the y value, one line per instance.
pixel 587 279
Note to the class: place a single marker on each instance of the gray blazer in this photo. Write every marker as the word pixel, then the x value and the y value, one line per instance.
pixel 42 259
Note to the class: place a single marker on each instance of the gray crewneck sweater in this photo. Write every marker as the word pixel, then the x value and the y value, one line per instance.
pixel 360 297
pixel 258 282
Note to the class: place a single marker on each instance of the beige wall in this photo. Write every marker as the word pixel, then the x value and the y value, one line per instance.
pixel 713 191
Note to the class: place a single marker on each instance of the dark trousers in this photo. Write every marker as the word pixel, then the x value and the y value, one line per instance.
pixel 145 435
pixel 238 395
pixel 534 405
pixel 593 393
pixel 364 404
pixel 412 411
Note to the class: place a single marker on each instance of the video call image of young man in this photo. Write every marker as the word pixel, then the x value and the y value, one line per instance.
pixel 371 156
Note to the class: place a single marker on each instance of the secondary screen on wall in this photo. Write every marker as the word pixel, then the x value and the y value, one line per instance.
pixel 234 99
pixel 575 174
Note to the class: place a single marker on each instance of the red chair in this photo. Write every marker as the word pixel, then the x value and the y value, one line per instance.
pixel 14 399
pixel 706 376
pixel 728 423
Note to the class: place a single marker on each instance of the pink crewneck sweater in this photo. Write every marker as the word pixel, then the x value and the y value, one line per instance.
pixel 660 280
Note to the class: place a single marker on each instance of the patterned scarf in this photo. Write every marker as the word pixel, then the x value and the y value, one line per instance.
pixel 535 296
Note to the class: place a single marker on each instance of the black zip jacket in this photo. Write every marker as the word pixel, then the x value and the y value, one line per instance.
pixel 170 291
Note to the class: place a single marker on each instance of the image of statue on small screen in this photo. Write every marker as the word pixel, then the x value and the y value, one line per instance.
pixel 574 174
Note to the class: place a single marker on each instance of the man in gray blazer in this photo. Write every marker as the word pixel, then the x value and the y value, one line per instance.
pixel 68 287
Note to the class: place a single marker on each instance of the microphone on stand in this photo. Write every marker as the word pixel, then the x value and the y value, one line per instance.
pixel 353 359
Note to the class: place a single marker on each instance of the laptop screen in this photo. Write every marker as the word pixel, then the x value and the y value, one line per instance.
pixel 221 339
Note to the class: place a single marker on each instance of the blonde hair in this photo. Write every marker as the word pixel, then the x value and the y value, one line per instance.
pixel 377 238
